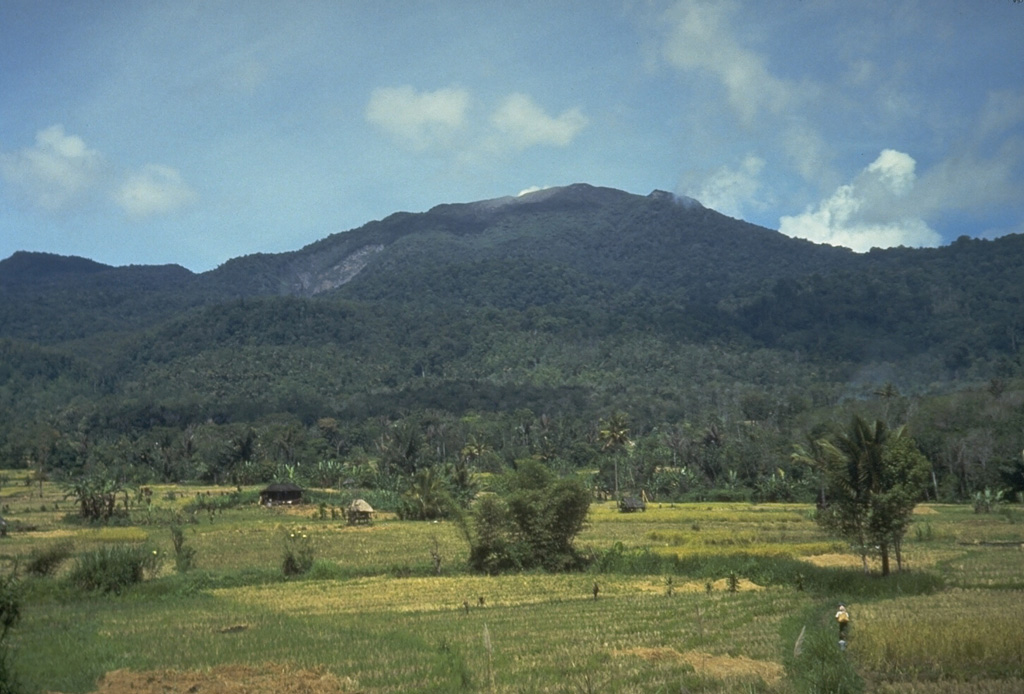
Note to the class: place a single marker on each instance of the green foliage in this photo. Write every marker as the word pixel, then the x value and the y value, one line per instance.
pixel 548 631
pixel 776 488
pixel 619 559
pixel 762 570
pixel 10 604
pixel 986 500
pixel 113 568
pixel 817 665
pixel 298 553
pixel 184 555
pixel 96 496
pixel 10 615
pixel 873 479
pixel 721 339
pixel 216 503
pixel 1013 477
pixel 451 669
pixel 46 560
pixel 532 526
pixel 426 497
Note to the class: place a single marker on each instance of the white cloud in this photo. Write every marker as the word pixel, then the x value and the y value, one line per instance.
pixel 440 120
pixel 700 38
pixel 154 190
pixel 867 213
pixel 60 171
pixel 894 170
pixel 731 191
pixel 1003 110
pixel 807 151
pixel 522 124
pixel 966 180
pixel 56 172
pixel 421 119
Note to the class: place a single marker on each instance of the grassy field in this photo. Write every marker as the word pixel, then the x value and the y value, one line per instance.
pixel 692 598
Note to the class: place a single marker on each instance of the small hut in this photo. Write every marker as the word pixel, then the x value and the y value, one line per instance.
pixel 359 512
pixel 631 504
pixel 281 493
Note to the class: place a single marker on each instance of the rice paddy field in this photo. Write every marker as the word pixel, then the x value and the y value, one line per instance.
pixel 689 598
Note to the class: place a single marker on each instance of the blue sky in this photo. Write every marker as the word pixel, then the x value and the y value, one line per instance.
pixel 145 132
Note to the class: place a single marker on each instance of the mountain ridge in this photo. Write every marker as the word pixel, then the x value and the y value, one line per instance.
pixel 453 217
pixel 678 264
pixel 522 321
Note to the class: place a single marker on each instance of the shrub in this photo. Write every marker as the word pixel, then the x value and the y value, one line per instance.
pixel 46 560
pixel 10 613
pixel 298 554
pixel 324 570
pixel 534 526
pixel 96 496
pixel 113 568
pixel 427 496
pixel 184 556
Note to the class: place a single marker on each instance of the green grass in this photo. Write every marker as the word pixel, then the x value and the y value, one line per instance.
pixel 372 612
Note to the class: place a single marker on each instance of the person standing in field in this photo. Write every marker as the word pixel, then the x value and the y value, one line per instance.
pixel 843 619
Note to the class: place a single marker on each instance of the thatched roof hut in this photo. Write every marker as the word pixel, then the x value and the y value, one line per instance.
pixel 359 512
pixel 281 493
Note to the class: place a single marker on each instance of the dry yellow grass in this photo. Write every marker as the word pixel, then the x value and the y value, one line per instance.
pixel 979 686
pixel 928 635
pixel 839 561
pixel 227 679
pixel 438 594
pixel 719 667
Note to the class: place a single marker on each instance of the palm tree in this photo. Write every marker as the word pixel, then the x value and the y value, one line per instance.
pixel 426 497
pixel 474 449
pixel 874 476
pixel 614 437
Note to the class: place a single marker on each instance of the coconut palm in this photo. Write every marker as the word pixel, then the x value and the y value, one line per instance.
pixel 873 477
pixel 427 496
pixel 614 437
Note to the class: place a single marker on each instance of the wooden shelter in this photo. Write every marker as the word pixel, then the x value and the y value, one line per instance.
pixel 281 493
pixel 359 512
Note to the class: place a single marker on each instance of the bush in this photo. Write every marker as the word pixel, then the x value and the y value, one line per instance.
pixel 184 556
pixel 46 561
pixel 10 614
pixel 298 554
pixel 532 527
pixel 96 496
pixel 113 568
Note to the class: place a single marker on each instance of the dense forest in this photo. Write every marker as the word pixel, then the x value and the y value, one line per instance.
pixel 646 342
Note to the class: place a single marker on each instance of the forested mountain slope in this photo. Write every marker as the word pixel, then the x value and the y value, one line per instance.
pixel 570 303
pixel 666 263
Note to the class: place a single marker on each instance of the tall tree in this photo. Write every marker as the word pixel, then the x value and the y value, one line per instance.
pixel 872 477
pixel 532 526
pixel 614 437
